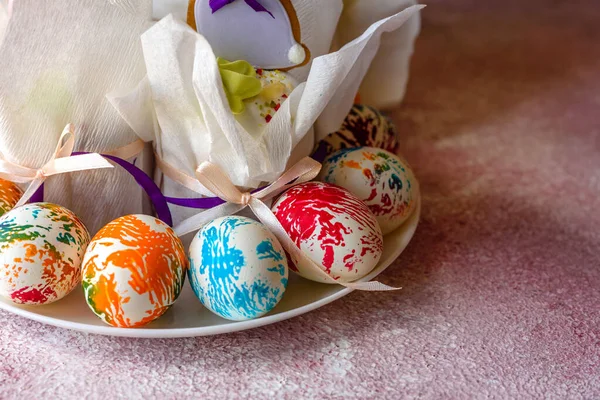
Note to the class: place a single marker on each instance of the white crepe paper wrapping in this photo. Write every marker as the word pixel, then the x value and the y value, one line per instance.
pixel 182 107
pixel 318 20
pixel 57 62
pixel 385 84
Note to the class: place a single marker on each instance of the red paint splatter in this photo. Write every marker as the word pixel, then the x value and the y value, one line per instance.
pixel 29 295
pixel 384 207
pixel 315 207
pixel 372 196
pixel 349 260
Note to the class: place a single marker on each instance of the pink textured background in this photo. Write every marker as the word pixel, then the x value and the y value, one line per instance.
pixel 501 284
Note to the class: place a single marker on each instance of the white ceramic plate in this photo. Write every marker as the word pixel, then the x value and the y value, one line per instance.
pixel 188 318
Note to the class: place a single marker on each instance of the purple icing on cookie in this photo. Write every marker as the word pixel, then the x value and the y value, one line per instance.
pixel 216 5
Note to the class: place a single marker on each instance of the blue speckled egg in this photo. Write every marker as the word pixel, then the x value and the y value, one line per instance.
pixel 238 269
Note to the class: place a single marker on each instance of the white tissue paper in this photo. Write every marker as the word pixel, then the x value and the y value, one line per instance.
pixel 183 104
pixel 57 62
pixel 385 84
pixel 318 20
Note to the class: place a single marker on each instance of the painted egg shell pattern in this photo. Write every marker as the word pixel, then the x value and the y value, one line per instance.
pixel 333 227
pixel 238 269
pixel 379 178
pixel 9 196
pixel 133 271
pixel 41 249
pixel 364 126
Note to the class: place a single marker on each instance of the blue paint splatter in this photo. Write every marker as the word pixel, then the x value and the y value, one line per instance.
pixel 265 250
pixel 395 183
pixel 222 265
pixel 334 158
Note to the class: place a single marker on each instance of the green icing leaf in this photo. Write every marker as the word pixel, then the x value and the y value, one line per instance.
pixel 240 83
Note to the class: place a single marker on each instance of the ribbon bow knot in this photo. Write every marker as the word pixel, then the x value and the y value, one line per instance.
pixel 246 198
pixel 215 180
pixel 61 162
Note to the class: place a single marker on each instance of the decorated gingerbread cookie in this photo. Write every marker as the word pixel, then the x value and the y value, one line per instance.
pixel 265 33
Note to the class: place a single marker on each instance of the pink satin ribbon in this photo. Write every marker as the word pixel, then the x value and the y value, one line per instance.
pixel 128 151
pixel 61 162
pixel 212 178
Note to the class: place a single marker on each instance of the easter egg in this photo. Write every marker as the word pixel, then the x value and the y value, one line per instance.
pixel 364 126
pixel 133 271
pixel 10 194
pixel 41 248
pixel 334 229
pixel 238 269
pixel 379 178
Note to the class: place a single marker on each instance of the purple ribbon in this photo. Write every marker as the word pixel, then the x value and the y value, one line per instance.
pixel 159 201
pixel 321 153
pixel 152 190
pixel 216 5
pixel 150 187
pixel 203 203
pixel 38 196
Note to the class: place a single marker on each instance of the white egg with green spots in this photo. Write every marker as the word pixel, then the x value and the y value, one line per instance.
pixel 238 269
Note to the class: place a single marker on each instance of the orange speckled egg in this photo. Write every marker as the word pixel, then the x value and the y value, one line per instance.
pixel 133 271
pixel 10 194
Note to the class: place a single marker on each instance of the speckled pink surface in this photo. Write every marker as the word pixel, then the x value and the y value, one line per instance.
pixel 501 285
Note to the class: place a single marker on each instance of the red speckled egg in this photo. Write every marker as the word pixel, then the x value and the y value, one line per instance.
pixel 333 227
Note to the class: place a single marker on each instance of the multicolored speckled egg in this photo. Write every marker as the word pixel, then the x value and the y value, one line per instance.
pixel 41 248
pixel 364 126
pixel 333 227
pixel 238 268
pixel 133 271
pixel 10 194
pixel 385 183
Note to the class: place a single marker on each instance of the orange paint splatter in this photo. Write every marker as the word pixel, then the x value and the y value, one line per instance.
pixel 352 164
pixel 369 155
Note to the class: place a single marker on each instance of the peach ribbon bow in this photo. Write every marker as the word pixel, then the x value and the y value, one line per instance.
pixel 216 181
pixel 61 162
